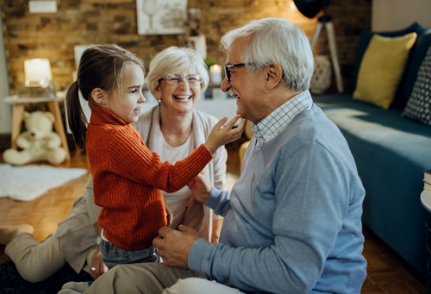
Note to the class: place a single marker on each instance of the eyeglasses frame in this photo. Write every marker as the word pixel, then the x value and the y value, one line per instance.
pixel 227 66
pixel 183 78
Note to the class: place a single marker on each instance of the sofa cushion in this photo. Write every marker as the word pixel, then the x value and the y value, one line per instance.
pixel 416 55
pixel 382 68
pixel 390 152
pixel 386 128
pixel 419 105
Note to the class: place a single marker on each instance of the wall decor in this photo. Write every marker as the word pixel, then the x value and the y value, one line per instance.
pixel 116 22
pixel 195 39
pixel 161 17
pixel 78 50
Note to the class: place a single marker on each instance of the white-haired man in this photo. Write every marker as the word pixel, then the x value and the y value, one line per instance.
pixel 293 219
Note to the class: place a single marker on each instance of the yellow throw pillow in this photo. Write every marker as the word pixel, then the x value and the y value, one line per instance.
pixel 382 68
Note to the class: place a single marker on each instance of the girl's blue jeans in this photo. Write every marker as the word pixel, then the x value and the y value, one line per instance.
pixel 112 255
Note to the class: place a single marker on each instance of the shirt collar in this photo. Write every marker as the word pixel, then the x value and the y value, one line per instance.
pixel 276 121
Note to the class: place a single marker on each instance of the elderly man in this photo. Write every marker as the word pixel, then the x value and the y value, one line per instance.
pixel 293 219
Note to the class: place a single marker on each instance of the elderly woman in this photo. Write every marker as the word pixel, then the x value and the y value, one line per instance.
pixel 173 129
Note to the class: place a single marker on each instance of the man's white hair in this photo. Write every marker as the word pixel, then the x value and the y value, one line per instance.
pixel 174 60
pixel 279 41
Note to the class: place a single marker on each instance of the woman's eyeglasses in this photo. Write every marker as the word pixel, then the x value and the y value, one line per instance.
pixel 174 79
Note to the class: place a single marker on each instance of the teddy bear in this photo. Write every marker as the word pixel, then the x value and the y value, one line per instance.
pixel 39 142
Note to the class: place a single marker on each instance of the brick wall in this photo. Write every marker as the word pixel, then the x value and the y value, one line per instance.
pixel 80 22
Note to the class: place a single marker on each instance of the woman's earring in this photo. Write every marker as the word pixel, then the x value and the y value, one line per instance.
pixel 159 100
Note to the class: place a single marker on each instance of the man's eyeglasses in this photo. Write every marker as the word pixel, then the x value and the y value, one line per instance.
pixel 228 66
pixel 174 79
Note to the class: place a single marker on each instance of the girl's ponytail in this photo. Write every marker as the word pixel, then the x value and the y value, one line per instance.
pixel 75 116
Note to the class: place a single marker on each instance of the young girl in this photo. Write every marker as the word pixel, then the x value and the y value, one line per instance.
pixel 127 177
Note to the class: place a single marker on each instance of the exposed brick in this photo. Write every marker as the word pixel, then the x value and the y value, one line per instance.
pixel 78 22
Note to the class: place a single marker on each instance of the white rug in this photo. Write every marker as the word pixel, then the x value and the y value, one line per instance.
pixel 26 183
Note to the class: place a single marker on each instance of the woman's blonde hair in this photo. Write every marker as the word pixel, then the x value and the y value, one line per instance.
pixel 174 60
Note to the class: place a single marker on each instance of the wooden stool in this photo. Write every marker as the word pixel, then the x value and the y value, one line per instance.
pixel 18 111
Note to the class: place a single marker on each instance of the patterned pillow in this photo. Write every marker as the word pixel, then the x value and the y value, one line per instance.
pixel 419 104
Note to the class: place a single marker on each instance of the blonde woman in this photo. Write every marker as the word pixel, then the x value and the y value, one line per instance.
pixel 174 128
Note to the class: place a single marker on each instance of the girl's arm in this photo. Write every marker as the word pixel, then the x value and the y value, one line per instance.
pixel 131 159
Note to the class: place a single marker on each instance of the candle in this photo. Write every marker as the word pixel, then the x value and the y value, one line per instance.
pixel 215 74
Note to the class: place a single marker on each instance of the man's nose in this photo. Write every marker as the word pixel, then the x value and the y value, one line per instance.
pixel 225 85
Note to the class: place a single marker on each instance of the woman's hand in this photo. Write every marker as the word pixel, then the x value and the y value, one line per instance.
pixel 169 215
pixel 221 135
pixel 97 264
pixel 215 235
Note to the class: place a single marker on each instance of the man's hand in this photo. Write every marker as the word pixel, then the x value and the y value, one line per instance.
pixel 97 263
pixel 201 187
pixel 174 246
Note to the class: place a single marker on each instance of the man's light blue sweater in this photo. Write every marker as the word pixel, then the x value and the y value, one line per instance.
pixel 293 219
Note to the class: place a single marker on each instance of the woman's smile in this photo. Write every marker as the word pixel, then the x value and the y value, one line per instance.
pixel 182 98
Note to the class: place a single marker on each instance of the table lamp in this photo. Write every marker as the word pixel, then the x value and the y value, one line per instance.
pixel 37 73
pixel 38 79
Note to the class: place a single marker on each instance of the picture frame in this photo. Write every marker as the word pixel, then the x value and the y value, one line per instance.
pixel 161 17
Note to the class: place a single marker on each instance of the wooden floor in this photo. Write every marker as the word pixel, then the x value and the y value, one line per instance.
pixel 385 272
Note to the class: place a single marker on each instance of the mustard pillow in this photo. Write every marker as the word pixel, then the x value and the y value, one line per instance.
pixel 382 68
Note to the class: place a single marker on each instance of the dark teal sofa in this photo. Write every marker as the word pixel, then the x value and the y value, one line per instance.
pixel 391 153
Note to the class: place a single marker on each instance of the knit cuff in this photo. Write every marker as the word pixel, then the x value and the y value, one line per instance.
pixel 209 150
pixel 196 254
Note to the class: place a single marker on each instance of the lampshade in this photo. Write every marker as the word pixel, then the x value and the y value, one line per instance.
pixel 309 8
pixel 37 72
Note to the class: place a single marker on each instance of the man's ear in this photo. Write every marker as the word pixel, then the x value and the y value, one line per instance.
pixel 273 74
pixel 99 96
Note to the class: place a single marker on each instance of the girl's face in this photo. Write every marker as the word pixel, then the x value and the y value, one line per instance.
pixel 182 97
pixel 128 106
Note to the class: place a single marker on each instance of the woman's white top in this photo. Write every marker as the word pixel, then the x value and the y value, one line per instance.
pixel 198 217
pixel 177 200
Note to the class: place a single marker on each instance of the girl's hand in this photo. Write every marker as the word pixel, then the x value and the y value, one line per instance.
pixel 221 135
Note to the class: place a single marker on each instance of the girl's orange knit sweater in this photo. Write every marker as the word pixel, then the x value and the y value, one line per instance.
pixel 128 179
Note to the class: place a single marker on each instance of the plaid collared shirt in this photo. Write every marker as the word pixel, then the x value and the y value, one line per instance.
pixel 274 123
